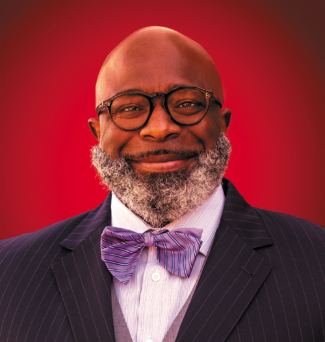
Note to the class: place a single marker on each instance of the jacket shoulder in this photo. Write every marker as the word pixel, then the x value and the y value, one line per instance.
pixel 287 219
pixel 45 239
pixel 292 228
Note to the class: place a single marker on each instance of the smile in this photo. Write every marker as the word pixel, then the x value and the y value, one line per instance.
pixel 163 163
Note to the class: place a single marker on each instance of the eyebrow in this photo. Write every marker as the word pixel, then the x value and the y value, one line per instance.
pixel 134 90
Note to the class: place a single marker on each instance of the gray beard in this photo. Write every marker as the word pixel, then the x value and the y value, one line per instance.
pixel 160 198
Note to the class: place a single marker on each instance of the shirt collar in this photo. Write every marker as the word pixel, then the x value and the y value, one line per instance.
pixel 206 217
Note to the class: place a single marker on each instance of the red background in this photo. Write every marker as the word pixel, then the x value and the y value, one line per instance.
pixel 270 56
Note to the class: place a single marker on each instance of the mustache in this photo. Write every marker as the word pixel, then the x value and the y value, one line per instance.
pixel 161 152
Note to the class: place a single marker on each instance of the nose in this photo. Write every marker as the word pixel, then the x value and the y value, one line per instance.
pixel 160 126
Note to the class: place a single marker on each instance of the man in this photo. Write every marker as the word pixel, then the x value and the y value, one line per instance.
pixel 174 253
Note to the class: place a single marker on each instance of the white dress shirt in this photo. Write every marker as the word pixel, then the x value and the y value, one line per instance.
pixel 153 297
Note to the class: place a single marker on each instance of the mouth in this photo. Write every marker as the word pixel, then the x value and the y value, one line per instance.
pixel 164 161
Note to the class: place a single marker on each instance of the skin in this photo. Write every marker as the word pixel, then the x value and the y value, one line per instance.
pixel 157 59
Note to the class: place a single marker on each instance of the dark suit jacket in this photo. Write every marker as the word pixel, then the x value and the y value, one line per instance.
pixel 264 280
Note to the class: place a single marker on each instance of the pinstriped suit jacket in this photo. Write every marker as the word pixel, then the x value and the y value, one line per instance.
pixel 264 280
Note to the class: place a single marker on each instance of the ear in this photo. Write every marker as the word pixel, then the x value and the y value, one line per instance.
pixel 94 127
pixel 226 117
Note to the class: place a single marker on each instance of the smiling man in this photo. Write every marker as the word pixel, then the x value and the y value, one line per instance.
pixel 163 147
pixel 174 253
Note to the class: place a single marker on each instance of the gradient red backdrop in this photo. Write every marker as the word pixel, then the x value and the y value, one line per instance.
pixel 270 57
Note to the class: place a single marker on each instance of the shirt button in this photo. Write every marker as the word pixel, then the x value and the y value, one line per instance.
pixel 155 277
pixel 149 340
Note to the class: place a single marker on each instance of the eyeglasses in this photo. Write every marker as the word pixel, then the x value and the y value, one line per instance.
pixel 131 111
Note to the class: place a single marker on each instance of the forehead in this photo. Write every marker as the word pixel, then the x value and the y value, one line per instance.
pixel 151 66
pixel 148 75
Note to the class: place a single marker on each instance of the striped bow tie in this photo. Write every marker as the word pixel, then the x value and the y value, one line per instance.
pixel 176 250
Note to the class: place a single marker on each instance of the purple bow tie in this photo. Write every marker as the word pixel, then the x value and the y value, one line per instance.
pixel 176 250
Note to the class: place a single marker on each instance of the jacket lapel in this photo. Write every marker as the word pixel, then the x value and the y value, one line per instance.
pixel 84 281
pixel 232 275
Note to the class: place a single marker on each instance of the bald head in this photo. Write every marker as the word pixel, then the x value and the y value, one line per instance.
pixel 156 59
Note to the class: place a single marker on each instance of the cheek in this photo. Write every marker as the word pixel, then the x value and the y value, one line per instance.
pixel 208 130
pixel 113 139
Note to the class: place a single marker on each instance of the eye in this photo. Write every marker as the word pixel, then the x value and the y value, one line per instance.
pixel 130 109
pixel 187 105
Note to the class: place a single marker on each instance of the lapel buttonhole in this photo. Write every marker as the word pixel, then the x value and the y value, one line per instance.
pixel 248 272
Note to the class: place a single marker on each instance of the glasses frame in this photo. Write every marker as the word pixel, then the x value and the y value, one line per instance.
pixel 107 104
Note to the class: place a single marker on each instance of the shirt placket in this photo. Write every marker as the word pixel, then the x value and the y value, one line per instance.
pixel 150 294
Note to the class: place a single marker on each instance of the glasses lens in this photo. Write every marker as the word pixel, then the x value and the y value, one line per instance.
pixel 187 106
pixel 130 111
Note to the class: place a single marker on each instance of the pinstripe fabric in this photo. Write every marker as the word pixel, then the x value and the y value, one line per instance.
pixel 31 305
pixel 293 299
pixel 263 281
pixel 238 298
